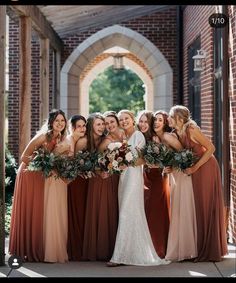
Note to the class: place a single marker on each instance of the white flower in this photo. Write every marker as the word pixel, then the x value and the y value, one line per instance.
pixel 114 145
pixel 129 156
pixel 115 164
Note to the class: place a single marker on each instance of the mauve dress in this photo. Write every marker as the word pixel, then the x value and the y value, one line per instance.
pixel 77 197
pixel 26 230
pixel 157 207
pixel 209 205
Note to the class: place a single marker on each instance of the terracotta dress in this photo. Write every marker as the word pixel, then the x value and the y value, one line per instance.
pixel 55 224
pixel 26 230
pixel 157 207
pixel 77 197
pixel 182 238
pixel 207 188
pixel 101 218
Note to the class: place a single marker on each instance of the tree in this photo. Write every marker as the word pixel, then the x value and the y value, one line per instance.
pixel 116 90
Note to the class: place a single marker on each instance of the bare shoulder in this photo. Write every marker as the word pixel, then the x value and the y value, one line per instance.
pixel 169 137
pixel 81 143
pixel 39 139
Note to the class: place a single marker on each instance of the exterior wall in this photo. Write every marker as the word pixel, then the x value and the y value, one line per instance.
pixel 13 98
pixel 232 122
pixel 159 28
pixel 196 24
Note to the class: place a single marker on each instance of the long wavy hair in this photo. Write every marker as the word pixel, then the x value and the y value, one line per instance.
pixel 89 128
pixel 47 127
pixel 183 113
pixel 150 119
pixel 165 115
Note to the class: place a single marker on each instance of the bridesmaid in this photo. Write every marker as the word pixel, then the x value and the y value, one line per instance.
pixel 182 237
pixel 26 231
pixel 207 187
pixel 99 211
pixel 156 193
pixel 77 195
pixel 55 225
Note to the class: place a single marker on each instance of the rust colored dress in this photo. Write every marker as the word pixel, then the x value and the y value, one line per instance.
pixel 101 218
pixel 77 197
pixel 157 207
pixel 209 205
pixel 26 230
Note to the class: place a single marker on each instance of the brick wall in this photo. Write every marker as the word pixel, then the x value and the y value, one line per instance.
pixel 104 56
pixel 13 98
pixel 195 25
pixel 232 123
pixel 159 28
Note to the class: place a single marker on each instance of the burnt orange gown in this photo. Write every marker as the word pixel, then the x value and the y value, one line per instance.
pixel 209 205
pixel 26 230
pixel 157 207
pixel 77 197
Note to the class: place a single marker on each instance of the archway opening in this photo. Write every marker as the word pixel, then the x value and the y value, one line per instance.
pixel 115 90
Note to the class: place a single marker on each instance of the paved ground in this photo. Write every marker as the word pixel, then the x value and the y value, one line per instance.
pixel 226 268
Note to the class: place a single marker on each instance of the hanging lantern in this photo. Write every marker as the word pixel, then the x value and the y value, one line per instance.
pixel 118 62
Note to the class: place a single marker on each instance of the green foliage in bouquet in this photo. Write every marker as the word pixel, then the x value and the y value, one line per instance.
pixel 65 167
pixel 183 159
pixel 85 162
pixel 42 160
pixel 157 154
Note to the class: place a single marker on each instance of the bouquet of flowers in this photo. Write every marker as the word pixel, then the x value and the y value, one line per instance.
pixel 117 155
pixel 85 163
pixel 65 167
pixel 42 160
pixel 158 154
pixel 183 159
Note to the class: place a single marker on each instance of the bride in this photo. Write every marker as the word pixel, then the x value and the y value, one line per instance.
pixel 133 240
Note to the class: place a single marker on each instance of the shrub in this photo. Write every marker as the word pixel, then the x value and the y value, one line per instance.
pixel 10 177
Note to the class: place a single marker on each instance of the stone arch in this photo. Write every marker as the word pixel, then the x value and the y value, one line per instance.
pixel 160 70
pixel 99 68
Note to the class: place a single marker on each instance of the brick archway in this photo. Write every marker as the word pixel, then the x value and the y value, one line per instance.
pixel 159 68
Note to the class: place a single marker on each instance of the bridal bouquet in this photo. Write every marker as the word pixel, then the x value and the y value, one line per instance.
pixel 158 154
pixel 117 156
pixel 183 159
pixel 85 162
pixel 42 160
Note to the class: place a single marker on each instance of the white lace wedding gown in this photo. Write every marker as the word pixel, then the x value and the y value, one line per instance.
pixel 133 240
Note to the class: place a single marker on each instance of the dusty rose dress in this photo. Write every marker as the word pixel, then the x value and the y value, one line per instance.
pixel 77 197
pixel 209 205
pixel 182 238
pixel 157 208
pixel 101 218
pixel 26 231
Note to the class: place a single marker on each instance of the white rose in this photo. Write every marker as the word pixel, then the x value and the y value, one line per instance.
pixel 114 145
pixel 115 164
pixel 129 156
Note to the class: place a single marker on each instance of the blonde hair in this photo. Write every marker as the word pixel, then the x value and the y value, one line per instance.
pixel 126 111
pixel 183 113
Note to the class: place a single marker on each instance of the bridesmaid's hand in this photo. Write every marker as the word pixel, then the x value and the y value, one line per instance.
pixel 190 170
pixel 104 175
